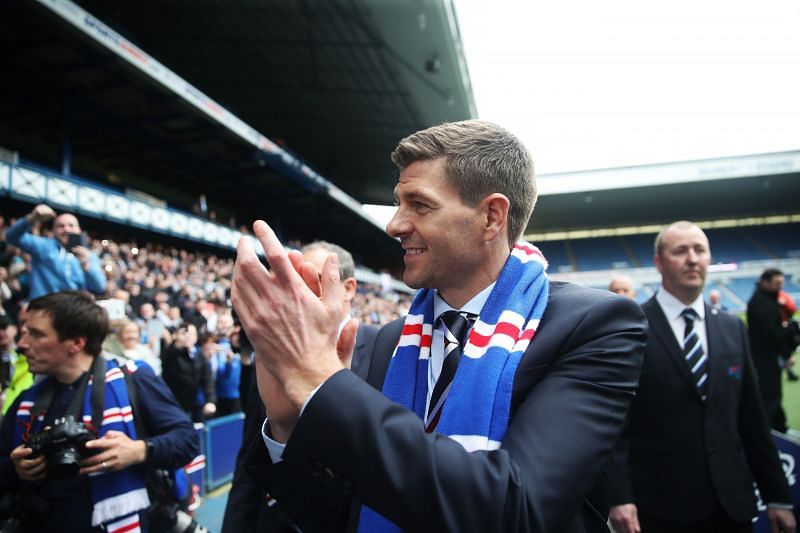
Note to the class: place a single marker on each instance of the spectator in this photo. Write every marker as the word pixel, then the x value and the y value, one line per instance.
pixel 14 374
pixel 228 368
pixel 129 335
pixel 769 340
pixel 623 285
pixel 62 340
pixel 715 300
pixel 153 330
pixel 56 263
pixel 189 375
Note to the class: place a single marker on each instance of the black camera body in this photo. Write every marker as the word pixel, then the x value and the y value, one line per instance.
pixel 64 445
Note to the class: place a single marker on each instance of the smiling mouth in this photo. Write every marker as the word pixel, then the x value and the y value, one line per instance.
pixel 414 251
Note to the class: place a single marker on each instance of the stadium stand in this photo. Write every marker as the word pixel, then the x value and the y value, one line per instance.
pixel 600 253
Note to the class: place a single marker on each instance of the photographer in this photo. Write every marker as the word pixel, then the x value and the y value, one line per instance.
pixel 63 262
pixel 39 450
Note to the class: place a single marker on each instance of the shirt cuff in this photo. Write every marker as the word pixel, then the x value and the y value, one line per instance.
pixel 274 447
pixel 780 506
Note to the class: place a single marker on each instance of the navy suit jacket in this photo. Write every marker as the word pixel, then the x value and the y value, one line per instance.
pixel 680 455
pixel 570 399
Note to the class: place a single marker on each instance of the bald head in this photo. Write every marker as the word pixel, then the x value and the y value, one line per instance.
pixel 714 297
pixel 623 285
pixel 682 257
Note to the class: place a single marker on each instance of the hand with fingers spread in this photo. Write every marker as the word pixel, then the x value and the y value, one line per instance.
pixel 116 452
pixel 291 315
pixel 27 468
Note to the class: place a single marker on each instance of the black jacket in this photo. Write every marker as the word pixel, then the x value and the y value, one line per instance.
pixel 768 337
pixel 186 375
pixel 681 456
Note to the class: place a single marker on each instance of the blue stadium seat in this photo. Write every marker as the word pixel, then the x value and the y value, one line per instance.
pixel 556 255
pixel 603 253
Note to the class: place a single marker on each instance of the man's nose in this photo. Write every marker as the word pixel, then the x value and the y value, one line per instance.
pixel 398 225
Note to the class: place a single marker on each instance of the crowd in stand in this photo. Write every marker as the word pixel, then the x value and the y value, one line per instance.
pixel 171 308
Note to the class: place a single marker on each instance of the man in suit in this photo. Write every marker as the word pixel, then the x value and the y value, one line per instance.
pixel 339 456
pixel 248 508
pixel 697 436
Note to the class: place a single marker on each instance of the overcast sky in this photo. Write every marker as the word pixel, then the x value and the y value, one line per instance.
pixel 590 84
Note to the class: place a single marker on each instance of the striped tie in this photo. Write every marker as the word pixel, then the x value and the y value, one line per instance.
pixel 693 352
pixel 455 327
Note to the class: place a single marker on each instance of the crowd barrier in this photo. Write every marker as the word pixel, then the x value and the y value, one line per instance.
pixel 789 451
pixel 220 440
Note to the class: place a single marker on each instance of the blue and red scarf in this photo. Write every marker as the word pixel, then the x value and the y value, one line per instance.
pixel 477 409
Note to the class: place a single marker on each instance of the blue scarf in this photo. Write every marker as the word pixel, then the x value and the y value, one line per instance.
pixel 117 497
pixel 477 409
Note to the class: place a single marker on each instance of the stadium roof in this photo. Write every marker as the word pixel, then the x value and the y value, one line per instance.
pixel 176 99
pixel 331 89
pixel 752 186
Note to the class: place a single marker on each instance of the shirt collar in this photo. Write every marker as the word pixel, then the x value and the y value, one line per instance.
pixel 673 307
pixel 473 306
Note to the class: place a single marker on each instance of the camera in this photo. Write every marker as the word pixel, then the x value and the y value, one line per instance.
pixel 64 445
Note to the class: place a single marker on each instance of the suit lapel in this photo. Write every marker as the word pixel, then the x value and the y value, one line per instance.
pixel 714 338
pixel 360 364
pixel 662 331
pixel 385 343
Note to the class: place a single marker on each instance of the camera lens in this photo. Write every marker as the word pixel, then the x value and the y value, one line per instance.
pixel 64 463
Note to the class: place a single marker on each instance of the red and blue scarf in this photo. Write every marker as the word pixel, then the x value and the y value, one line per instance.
pixel 477 409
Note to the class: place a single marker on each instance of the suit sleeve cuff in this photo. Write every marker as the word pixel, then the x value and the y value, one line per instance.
pixel 274 447
pixel 777 505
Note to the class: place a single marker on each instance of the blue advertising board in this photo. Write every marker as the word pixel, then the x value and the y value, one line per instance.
pixel 789 452
pixel 223 438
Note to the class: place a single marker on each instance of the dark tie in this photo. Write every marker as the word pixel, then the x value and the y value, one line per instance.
pixel 693 352
pixel 456 328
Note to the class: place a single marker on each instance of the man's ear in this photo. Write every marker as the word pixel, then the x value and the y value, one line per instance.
pixel 349 288
pixel 76 345
pixel 495 208
pixel 657 262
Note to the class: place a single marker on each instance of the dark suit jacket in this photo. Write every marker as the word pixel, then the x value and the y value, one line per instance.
pixel 569 402
pixel 680 455
pixel 247 510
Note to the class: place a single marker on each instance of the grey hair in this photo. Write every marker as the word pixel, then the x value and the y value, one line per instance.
pixel 347 267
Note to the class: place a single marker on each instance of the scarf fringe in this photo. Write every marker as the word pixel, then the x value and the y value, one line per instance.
pixel 119 505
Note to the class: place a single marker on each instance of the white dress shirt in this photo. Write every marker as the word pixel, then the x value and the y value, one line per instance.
pixel 673 308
